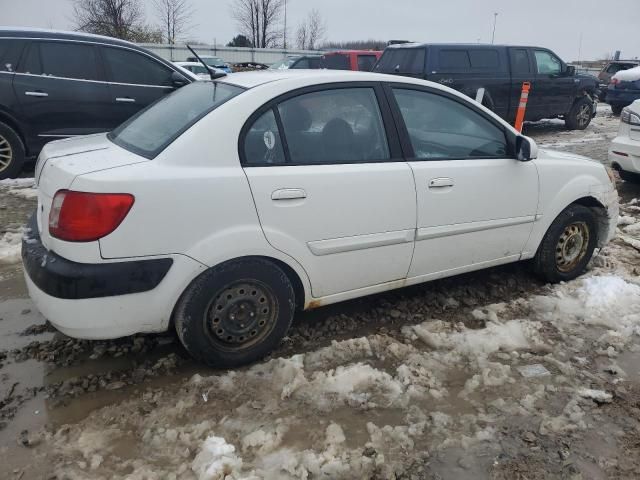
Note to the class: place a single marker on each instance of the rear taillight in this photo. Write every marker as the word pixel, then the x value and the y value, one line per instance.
pixel 85 217
pixel 614 81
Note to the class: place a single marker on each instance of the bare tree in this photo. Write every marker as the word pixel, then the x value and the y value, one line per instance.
pixel 259 20
pixel 175 16
pixel 312 31
pixel 114 18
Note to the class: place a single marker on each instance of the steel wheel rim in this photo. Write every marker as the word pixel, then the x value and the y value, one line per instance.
pixel 572 246
pixel 6 153
pixel 583 115
pixel 241 315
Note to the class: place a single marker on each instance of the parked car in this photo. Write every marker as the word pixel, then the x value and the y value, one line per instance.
pixel 215 62
pixel 624 89
pixel 198 70
pixel 611 68
pixel 361 60
pixel 556 89
pixel 61 84
pixel 228 205
pixel 298 62
pixel 624 153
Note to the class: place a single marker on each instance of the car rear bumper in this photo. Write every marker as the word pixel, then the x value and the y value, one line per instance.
pixel 106 300
pixel 622 97
pixel 625 154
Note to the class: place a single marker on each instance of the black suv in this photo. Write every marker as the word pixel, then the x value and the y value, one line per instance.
pixel 556 89
pixel 61 84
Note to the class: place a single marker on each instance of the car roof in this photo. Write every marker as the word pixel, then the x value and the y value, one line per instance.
pixel 19 32
pixel 353 51
pixel 260 77
pixel 465 45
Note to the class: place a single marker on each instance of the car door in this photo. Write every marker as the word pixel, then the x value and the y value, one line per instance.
pixel 552 90
pixel 60 89
pixel 476 202
pixel 331 188
pixel 522 70
pixel 135 81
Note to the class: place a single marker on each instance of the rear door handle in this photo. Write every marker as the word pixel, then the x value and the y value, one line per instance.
pixel 440 182
pixel 125 100
pixel 37 93
pixel 288 194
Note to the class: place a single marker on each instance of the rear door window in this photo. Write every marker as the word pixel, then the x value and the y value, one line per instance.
pixel 366 62
pixel 520 61
pixel 66 60
pixel 338 61
pixel 454 60
pixel 334 126
pixel 127 66
pixel 409 61
pixel 262 143
pixel 10 50
pixel 484 59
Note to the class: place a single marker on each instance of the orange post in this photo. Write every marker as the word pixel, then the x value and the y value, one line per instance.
pixel 524 98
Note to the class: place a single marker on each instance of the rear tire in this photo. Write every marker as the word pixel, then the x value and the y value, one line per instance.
pixel 11 152
pixel 630 177
pixel 567 246
pixel 235 313
pixel 616 109
pixel 580 114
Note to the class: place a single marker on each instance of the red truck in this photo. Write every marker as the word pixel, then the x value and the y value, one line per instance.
pixel 362 60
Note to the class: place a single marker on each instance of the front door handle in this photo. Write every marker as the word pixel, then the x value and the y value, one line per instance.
pixel 125 100
pixel 37 93
pixel 440 182
pixel 288 194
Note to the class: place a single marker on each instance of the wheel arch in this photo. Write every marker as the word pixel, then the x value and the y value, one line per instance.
pixel 599 211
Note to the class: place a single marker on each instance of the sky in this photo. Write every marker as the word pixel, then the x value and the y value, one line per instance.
pixel 574 29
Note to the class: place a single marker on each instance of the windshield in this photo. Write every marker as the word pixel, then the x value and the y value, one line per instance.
pixel 283 64
pixel 213 61
pixel 198 69
pixel 154 128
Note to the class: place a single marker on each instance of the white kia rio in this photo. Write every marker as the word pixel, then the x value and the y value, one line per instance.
pixel 227 205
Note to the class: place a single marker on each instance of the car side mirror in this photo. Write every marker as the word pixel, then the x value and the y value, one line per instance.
pixel 178 80
pixel 570 71
pixel 526 148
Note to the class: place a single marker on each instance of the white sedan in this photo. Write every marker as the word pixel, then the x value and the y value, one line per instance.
pixel 198 70
pixel 229 205
pixel 624 153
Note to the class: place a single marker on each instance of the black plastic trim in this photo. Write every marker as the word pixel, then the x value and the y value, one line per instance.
pixel 62 278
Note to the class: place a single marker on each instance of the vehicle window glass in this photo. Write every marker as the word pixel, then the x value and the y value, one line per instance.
pixel 68 60
pixel 481 58
pixel 402 60
pixel 337 61
pixel 282 64
pixel 443 128
pixel 616 67
pixel 454 60
pixel 262 143
pixel 153 129
pixel 30 62
pixel 10 51
pixel 334 126
pixel 126 66
pixel 366 62
pixel 547 64
pixel 315 62
pixel 520 61
pixel 302 63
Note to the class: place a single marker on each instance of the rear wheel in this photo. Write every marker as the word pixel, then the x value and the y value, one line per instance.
pixel 11 152
pixel 629 176
pixel 235 313
pixel 616 109
pixel 580 114
pixel 568 245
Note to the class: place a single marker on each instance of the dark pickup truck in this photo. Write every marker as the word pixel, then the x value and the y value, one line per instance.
pixel 556 90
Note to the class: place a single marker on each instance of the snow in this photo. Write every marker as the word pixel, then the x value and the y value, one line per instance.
pixel 11 246
pixel 630 75
pixel 17 182
pixel 216 460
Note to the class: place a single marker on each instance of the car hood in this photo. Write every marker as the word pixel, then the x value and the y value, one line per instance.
pixel 551 155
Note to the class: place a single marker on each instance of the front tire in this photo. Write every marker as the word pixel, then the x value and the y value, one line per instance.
pixel 11 152
pixel 616 109
pixel 630 177
pixel 568 245
pixel 235 313
pixel 580 114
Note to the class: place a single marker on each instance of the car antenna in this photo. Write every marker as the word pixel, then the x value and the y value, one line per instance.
pixel 211 74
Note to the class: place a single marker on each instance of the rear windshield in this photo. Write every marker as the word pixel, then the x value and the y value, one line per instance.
pixel 402 60
pixel 153 129
pixel 338 61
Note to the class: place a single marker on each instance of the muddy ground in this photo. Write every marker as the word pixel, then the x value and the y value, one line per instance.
pixel 487 375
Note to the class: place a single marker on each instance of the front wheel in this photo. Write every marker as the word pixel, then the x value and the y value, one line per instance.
pixel 11 152
pixel 567 246
pixel 580 114
pixel 235 313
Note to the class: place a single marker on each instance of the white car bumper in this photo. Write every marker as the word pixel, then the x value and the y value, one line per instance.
pixel 625 153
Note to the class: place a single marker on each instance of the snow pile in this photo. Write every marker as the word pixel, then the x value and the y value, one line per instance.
pixel 216 460
pixel 26 192
pixel 11 246
pixel 630 75
pixel 17 182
